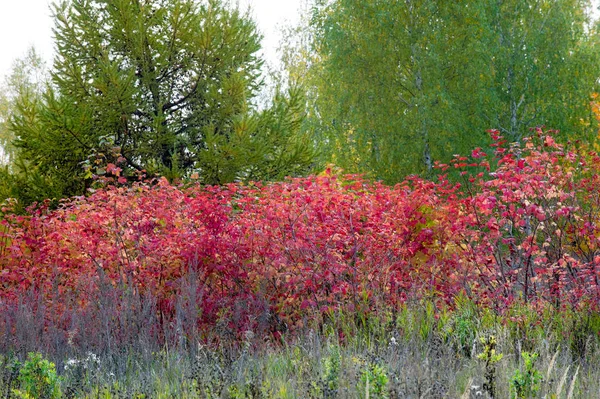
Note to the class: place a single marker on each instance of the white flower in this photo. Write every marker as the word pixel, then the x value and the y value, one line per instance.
pixel 71 363
pixel 92 358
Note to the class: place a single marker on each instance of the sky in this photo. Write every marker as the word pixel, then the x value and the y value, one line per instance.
pixel 26 23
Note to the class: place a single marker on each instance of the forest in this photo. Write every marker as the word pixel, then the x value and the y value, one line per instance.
pixel 406 206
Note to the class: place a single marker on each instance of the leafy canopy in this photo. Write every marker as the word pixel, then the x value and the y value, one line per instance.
pixel 398 85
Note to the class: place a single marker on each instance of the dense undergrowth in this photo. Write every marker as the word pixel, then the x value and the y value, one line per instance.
pixel 468 352
pixel 272 256
pixel 137 269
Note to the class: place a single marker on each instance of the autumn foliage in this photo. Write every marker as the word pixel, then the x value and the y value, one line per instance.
pixel 525 229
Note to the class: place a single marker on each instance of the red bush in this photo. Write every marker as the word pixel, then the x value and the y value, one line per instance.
pixel 278 253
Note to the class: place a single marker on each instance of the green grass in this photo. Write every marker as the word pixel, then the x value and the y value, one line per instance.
pixel 416 352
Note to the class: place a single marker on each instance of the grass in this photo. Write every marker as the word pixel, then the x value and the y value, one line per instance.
pixel 415 352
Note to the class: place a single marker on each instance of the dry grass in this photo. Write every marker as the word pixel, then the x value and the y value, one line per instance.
pixel 414 354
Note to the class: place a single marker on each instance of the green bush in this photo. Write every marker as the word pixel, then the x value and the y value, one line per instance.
pixel 526 382
pixel 38 379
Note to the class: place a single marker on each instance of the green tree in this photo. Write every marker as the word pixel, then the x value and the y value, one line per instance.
pixel 165 87
pixel 543 61
pixel 397 85
pixel 18 177
pixel 28 77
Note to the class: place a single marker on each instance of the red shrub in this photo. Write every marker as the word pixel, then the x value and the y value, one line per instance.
pixel 275 254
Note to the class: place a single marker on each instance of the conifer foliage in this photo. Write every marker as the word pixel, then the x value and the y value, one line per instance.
pixel 164 86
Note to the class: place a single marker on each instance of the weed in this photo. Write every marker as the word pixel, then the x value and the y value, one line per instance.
pixel 490 358
pixel 526 382
pixel 38 379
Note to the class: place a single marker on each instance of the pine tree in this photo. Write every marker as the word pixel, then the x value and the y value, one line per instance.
pixel 28 77
pixel 164 86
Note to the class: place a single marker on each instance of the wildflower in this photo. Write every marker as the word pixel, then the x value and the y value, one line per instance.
pixel 92 358
pixel 71 363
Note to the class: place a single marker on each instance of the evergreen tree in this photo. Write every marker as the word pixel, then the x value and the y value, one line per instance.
pixel 28 77
pixel 19 178
pixel 164 86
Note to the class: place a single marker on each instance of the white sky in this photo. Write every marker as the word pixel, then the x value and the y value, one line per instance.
pixel 24 23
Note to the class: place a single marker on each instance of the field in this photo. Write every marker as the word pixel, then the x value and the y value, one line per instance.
pixel 477 284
